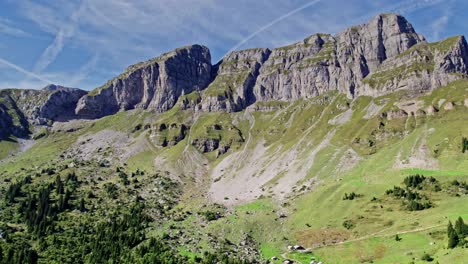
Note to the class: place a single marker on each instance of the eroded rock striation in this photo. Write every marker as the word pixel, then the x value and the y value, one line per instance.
pixel 156 84
pixel 379 57
pixel 21 108
pixel 12 120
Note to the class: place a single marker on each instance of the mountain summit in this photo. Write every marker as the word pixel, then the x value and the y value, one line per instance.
pixel 346 148
pixel 376 58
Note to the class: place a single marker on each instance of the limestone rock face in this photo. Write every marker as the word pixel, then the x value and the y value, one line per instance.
pixel 379 57
pixel 56 103
pixel 12 121
pixel 155 85
pixel 61 103
pixel 423 67
pixel 323 63
pixel 236 74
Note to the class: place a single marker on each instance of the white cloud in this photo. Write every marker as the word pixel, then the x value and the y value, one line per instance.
pixel 6 27
pixel 123 32
pixel 26 72
pixel 66 31
pixel 438 26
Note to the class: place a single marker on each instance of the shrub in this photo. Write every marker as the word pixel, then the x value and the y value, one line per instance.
pixel 351 196
pixel 427 257
pixel 348 224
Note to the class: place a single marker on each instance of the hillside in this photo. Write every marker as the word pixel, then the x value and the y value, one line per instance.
pixel 352 147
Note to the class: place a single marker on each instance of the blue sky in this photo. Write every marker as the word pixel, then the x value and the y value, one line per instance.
pixel 83 43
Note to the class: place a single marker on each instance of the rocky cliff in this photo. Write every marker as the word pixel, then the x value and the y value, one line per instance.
pixel 155 84
pixel 376 58
pixel 20 107
pixel 12 120
pixel 322 62
pixel 379 57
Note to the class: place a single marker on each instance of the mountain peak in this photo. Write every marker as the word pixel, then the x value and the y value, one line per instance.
pixel 346 62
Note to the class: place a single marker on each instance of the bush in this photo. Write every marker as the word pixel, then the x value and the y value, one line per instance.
pixel 111 190
pixel 414 180
pixel 351 196
pixel 418 206
pixel 348 224
pixel 427 257
pixel 211 215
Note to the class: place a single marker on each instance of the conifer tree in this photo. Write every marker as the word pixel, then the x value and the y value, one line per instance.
pixel 452 236
pixel 82 205
pixel 460 228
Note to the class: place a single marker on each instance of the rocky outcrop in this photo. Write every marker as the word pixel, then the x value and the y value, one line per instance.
pixel 56 103
pixel 395 114
pixel 379 57
pixel 12 120
pixel 217 137
pixel 155 85
pixel 168 135
pixel 5 122
pixel 61 103
pixel 423 67
pixel 21 108
pixel 206 144
pixel 323 63
pixel 236 74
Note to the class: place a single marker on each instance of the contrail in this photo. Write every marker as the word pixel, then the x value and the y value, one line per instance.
pixel 31 74
pixel 65 32
pixel 267 26
pixel 401 8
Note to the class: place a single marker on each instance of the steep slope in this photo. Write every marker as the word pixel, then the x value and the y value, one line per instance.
pixel 53 102
pixel 357 61
pixel 236 74
pixel 310 144
pixel 12 120
pixel 153 85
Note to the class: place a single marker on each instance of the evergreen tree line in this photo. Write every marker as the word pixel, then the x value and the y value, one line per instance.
pixel 119 238
pixel 22 253
pixel 413 199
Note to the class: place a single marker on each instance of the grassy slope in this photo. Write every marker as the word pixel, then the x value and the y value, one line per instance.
pixel 323 210
pixel 324 207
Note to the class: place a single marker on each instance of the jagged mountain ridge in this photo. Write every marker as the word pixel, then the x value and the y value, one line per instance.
pixel 361 60
pixel 264 151
pixel 376 58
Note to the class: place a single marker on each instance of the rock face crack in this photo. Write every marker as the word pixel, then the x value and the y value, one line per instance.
pixel 379 57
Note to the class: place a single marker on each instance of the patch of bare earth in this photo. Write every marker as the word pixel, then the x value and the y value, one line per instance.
pixel 342 118
pixel 420 156
pixel 264 171
pixel 105 143
pixel 319 237
pixel 348 161
pixel 373 110
pixel 269 171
